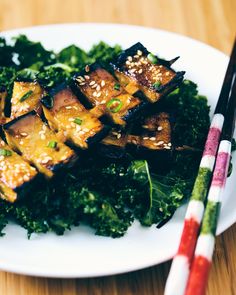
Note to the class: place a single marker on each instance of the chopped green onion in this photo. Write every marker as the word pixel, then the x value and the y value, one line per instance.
pixel 78 121
pixel 5 153
pixel 52 144
pixel 114 105
pixel 26 95
pixel 117 86
pixel 152 58
pixel 157 84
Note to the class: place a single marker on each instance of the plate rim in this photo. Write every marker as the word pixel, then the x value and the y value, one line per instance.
pixel 42 273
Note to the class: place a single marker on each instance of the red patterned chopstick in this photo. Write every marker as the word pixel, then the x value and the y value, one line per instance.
pixel 179 273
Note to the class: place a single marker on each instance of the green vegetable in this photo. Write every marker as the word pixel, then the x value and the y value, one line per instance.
pixel 52 144
pixel 29 52
pixel 4 152
pixel 73 56
pixel 114 105
pixel 152 58
pixel 103 52
pixel 26 95
pixel 6 54
pixel 117 86
pixel 157 85
pixel 191 115
pixel 27 74
pixel 7 77
pixel 52 76
pixel 78 121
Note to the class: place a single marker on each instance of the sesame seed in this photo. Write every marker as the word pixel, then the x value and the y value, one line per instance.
pixel 99 94
pixel 134 141
pixel 44 161
pixel 82 83
pixel 129 58
pixel 167 73
pixel 103 101
pixel 145 138
pixel 169 144
pixel 132 71
pixel 136 56
pixel 43 136
pixel 94 93
pixel 118 135
pixel 160 142
pixel 21 142
pixel 86 69
pixel 77 127
pixel 86 77
pixel 127 62
pixel 92 83
pixel 71 119
pixel 167 147
pixel 26 178
pixel 152 138
pixel 103 83
pixel 81 78
pixel 63 158
pixel 69 107
pixel 98 88
pixel 145 126
pixel 139 52
pixel 159 128
pixel 23 134
pixel 140 71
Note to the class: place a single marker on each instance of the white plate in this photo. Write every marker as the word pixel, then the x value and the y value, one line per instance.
pixel 79 253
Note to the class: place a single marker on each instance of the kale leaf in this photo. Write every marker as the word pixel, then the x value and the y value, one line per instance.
pixel 6 54
pixel 191 114
pixel 29 53
pixel 73 56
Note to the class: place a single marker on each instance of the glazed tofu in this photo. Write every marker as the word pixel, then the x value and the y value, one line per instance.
pixel 15 173
pixel 105 94
pixel 3 95
pixel 139 70
pixel 153 135
pixel 26 97
pixel 71 120
pixel 156 133
pixel 33 139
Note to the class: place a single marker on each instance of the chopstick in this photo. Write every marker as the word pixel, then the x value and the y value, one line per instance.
pixel 205 244
pixel 180 268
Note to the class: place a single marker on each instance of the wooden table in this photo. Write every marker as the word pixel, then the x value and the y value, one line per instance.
pixel 211 21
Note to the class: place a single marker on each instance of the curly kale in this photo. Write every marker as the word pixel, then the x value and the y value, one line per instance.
pixel 6 54
pixel 103 52
pixel 73 56
pixel 191 114
pixel 29 53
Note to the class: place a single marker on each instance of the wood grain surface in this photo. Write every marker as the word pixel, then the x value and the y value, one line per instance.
pixel 211 21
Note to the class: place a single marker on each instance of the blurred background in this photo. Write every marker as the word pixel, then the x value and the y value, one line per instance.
pixel 210 21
